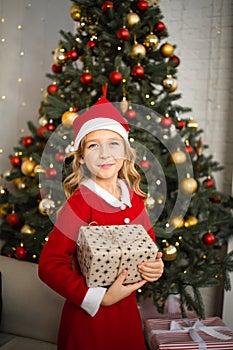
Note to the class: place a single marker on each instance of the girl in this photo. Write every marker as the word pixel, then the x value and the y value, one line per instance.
pixel 103 188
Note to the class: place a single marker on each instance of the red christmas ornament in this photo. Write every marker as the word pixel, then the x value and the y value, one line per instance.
pixel 208 182
pixel 52 88
pixel 166 122
pixel 56 69
pixel 142 5
pixel 59 157
pixel 28 141
pixel 43 193
pixel 15 161
pixel 74 109
pixel 73 55
pixel 138 71
pixel 21 253
pixel 41 130
pixel 208 238
pixel 50 173
pixel 107 5
pixel 50 127
pixel 123 34
pixel 180 124
pixel 115 77
pixel 159 27
pixel 13 219
pixel 131 114
pixel 86 78
pixel 215 199
pixel 40 145
pixel 91 44
pixel 188 149
pixel 145 164
pixel 175 60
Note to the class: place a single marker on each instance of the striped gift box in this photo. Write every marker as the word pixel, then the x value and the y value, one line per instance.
pixel 210 333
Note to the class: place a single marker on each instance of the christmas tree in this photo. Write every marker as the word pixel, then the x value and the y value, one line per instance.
pixel 121 49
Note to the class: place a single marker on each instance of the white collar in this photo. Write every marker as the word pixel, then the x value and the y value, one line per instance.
pixel 108 197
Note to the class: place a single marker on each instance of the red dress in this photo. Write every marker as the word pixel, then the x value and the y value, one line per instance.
pixel 116 327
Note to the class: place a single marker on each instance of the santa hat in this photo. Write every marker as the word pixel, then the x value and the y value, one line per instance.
pixel 101 116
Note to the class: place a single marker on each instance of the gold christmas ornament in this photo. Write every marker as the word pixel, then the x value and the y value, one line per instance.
pixel 68 118
pixel 138 50
pixel 19 183
pixel 151 42
pixel 6 174
pixel 177 221
pixel 191 123
pixel 178 157
pixel 190 221
pixel 27 229
pixel 75 12
pixel 3 191
pixel 166 50
pixel 188 185
pixel 169 83
pixel 4 210
pixel 42 121
pixel 132 19
pixel 46 206
pixel 38 169
pixel 150 203
pixel 27 167
pixel 199 147
pixel 124 105
pixel 59 56
pixel 169 253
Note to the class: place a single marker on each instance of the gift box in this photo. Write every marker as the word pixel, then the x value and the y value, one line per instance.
pixel 210 333
pixel 172 310
pixel 104 251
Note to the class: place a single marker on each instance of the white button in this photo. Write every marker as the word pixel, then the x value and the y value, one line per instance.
pixel 123 206
pixel 126 220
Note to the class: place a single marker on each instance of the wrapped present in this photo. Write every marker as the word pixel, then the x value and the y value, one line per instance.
pixel 172 309
pixel 210 333
pixel 104 251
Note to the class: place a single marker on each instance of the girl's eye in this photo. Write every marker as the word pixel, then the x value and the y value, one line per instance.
pixel 114 143
pixel 92 145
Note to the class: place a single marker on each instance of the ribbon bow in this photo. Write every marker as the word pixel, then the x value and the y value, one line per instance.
pixel 198 325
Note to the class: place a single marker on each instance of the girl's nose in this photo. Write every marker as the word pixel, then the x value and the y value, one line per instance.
pixel 104 150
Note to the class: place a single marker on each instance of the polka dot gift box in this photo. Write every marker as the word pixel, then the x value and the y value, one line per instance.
pixel 104 251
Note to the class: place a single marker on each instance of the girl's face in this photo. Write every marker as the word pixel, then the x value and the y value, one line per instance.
pixel 104 154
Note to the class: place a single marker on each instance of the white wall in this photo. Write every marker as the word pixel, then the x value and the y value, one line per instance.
pixel 41 22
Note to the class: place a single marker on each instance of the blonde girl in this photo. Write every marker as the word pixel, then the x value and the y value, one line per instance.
pixel 103 188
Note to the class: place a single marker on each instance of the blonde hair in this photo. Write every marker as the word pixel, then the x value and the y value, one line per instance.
pixel 80 172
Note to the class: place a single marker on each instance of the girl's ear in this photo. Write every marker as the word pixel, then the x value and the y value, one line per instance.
pixel 81 161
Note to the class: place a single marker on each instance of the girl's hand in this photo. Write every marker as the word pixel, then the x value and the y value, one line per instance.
pixel 151 271
pixel 118 291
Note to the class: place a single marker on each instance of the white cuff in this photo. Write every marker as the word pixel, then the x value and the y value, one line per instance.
pixel 92 300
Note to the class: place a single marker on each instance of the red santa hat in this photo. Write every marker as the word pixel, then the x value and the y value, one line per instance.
pixel 101 116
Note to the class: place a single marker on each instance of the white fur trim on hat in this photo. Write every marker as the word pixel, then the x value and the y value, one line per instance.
pixel 100 124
